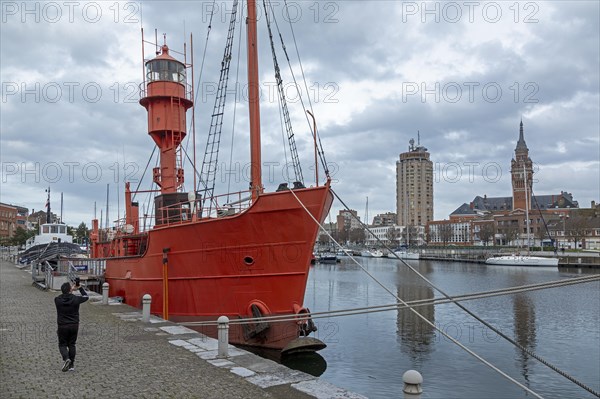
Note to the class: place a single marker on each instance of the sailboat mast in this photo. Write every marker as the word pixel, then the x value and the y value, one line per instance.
pixel 254 102
pixel 48 214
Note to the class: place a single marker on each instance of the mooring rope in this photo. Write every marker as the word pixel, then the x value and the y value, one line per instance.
pixel 398 306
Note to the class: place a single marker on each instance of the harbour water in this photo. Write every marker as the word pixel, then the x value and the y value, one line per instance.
pixel 368 353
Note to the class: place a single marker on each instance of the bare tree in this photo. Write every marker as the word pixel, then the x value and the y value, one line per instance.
pixel 445 233
pixel 392 235
pixel 357 235
pixel 323 238
pixel 541 234
pixel 344 234
pixel 576 228
pixel 510 233
pixel 486 232
pixel 432 235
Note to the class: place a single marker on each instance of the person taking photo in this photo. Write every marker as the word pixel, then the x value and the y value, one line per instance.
pixel 67 315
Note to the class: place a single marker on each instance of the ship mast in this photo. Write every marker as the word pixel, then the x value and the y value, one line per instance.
pixel 256 186
pixel 48 217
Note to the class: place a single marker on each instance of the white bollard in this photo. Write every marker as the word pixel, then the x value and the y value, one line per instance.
pixel 223 335
pixel 412 382
pixel 146 302
pixel 105 293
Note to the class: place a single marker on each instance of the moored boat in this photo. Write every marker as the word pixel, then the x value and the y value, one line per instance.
pixel 521 260
pixel 207 256
pixel 328 257
pixel 404 254
pixel 371 253
pixel 51 242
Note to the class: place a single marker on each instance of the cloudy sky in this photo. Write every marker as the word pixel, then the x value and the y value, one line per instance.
pixel 462 74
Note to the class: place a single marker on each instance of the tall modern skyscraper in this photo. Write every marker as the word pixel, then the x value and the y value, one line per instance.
pixel 521 170
pixel 414 186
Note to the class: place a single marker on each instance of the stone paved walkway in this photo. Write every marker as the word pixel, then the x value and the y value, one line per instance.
pixel 118 356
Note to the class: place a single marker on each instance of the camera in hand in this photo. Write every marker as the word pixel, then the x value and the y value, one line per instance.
pixel 77 281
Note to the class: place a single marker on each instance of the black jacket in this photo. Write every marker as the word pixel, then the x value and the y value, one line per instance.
pixel 67 307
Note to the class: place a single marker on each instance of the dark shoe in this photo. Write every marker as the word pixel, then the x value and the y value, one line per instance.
pixel 66 366
pixel 72 368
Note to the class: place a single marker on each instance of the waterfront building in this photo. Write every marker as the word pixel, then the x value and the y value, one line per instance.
pixel 414 186
pixel 446 232
pixel 347 220
pixel 501 220
pixel 21 219
pixel 394 235
pixel 385 219
pixel 8 221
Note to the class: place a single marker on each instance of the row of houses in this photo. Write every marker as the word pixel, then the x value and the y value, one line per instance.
pixel 12 217
pixel 562 226
pixel 570 228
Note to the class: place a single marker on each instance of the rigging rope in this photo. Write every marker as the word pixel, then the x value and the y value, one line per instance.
pixel 282 101
pixel 213 199
pixel 320 151
pixel 197 93
pixel 211 153
pixel 537 205
pixel 144 174
pixel 235 103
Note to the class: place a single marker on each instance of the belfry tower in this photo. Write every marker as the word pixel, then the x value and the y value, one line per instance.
pixel 521 170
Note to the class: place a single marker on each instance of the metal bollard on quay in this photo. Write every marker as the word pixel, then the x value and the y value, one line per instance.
pixel 146 302
pixel 223 337
pixel 105 293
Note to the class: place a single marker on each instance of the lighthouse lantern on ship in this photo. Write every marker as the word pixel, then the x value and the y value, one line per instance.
pixel 166 97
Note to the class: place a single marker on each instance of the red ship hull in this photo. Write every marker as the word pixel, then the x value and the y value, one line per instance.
pixel 226 265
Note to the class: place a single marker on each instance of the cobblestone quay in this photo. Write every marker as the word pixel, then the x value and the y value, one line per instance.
pixel 119 356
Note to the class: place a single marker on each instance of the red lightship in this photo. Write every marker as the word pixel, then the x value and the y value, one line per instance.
pixel 245 259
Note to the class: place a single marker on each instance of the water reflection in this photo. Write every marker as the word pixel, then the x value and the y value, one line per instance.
pixel 524 327
pixel 368 353
pixel 415 335
pixel 308 362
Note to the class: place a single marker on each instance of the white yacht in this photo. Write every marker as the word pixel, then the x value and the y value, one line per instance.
pixel 521 260
pixel 404 254
pixel 373 253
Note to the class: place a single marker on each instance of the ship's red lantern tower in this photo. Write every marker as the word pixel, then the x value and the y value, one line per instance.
pixel 166 98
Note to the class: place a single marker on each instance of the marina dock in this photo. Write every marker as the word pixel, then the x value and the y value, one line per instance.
pixel 566 260
pixel 119 356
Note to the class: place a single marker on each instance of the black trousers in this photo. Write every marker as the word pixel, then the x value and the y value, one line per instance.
pixel 67 337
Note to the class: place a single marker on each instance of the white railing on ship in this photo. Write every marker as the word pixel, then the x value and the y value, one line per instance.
pixel 233 203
